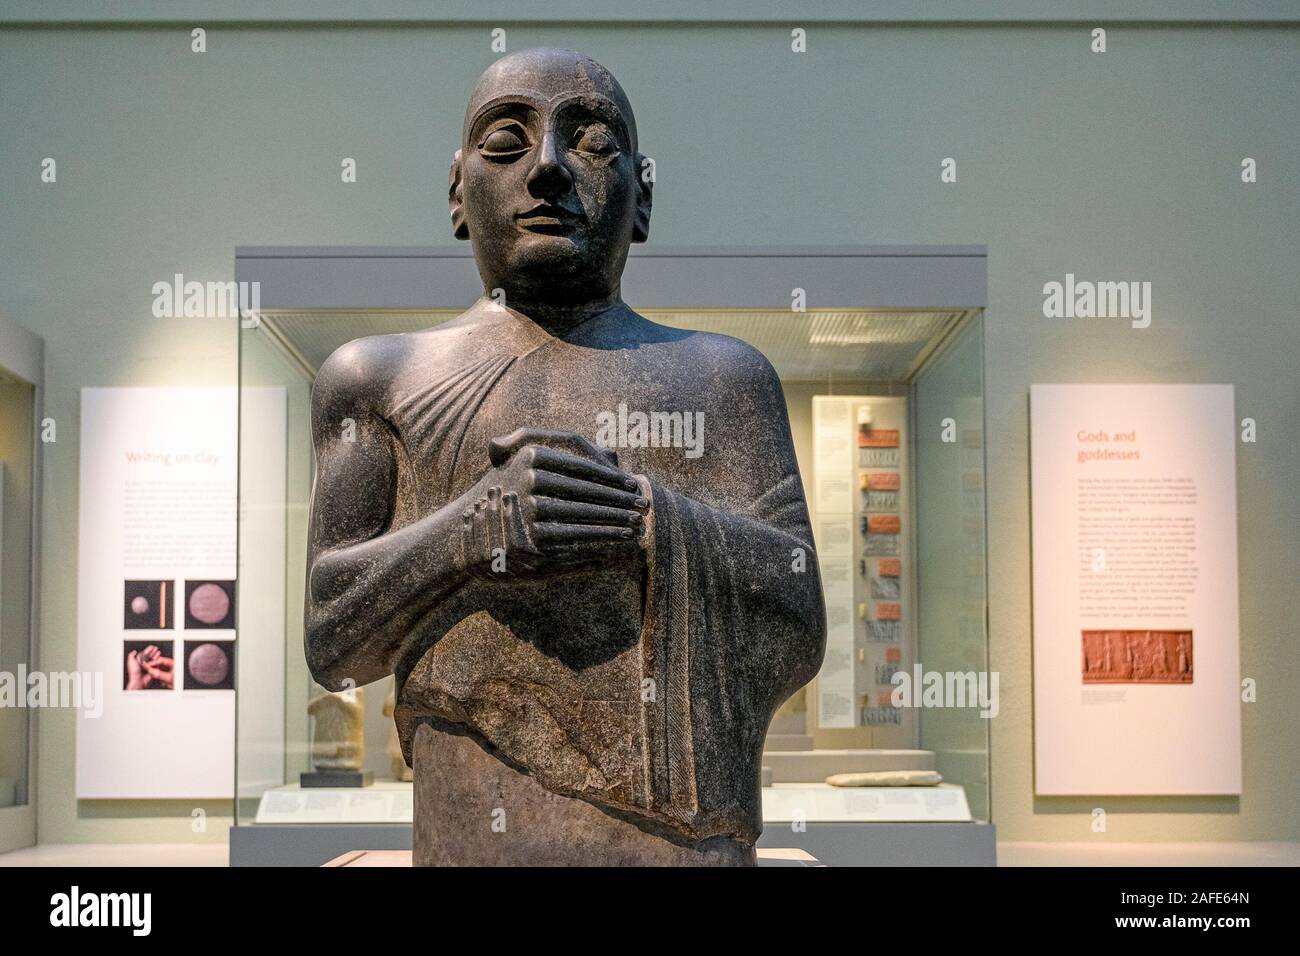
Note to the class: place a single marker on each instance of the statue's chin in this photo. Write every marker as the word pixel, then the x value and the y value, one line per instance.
pixel 555 267
pixel 534 250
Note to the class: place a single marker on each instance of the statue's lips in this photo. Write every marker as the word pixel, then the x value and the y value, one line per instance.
pixel 549 220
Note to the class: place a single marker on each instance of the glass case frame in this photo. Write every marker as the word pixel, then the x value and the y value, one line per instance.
pixel 22 381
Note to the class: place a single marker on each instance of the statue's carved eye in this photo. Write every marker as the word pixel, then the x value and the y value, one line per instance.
pixel 504 141
pixel 596 140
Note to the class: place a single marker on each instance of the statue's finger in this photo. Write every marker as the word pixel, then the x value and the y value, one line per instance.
pixel 576 467
pixel 495 521
pixel 481 544
pixel 554 534
pixel 582 512
pixel 516 528
pixel 501 448
pixel 579 445
pixel 549 484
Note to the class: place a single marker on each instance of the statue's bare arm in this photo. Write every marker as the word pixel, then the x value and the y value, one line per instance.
pixel 551 502
pixel 759 524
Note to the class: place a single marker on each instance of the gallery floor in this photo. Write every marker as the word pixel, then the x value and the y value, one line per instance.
pixel 1009 854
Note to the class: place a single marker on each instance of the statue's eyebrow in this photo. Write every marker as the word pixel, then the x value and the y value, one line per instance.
pixel 602 107
pixel 595 103
pixel 505 99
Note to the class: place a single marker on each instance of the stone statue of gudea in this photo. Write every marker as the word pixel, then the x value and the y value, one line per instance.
pixel 578 538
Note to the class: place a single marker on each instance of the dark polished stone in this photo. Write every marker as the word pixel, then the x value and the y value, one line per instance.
pixel 593 627
pixel 474 809
pixel 327 779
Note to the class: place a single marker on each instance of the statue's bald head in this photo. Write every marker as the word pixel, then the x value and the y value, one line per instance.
pixel 548 184
pixel 547 74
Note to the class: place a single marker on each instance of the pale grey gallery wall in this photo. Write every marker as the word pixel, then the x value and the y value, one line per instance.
pixel 1123 165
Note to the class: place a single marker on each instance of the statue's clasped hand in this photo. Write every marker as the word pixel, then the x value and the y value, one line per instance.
pixel 552 502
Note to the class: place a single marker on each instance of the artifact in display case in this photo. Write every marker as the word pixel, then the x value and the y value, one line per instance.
pixel 338 746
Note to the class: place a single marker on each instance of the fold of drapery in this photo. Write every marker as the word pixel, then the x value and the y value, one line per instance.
pixel 725 631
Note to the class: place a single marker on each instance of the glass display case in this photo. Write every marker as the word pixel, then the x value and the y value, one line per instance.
pixel 886 411
pixel 21 373
pixel 16 461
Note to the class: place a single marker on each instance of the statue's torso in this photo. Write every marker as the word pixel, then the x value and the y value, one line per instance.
pixel 548 672
pixel 522 379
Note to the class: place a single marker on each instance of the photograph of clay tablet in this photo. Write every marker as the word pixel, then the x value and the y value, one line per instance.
pixel 209 665
pixel 209 604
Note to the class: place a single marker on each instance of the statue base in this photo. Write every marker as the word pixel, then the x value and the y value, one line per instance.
pixel 333 779
pixel 473 810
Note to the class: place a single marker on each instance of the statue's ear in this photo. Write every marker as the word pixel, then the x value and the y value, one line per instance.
pixel 456 200
pixel 645 181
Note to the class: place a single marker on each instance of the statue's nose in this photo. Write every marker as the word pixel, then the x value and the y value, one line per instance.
pixel 549 176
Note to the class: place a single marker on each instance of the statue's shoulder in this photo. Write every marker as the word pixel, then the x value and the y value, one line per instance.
pixel 360 368
pixel 365 370
pixel 720 357
pixel 729 352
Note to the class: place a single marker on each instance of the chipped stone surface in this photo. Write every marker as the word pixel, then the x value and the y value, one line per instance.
pixel 615 626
